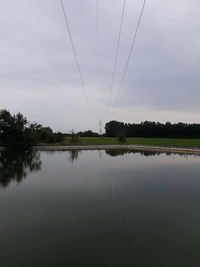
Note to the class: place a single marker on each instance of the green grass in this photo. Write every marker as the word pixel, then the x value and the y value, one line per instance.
pixel 139 141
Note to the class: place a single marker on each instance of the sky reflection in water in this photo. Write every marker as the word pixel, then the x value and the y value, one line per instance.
pixel 99 208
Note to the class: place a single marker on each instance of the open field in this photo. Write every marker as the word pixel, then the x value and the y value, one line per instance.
pixel 138 141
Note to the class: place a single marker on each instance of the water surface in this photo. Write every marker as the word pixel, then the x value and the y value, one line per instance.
pixel 99 208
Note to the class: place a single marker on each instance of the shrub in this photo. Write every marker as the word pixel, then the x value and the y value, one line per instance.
pixel 122 137
pixel 74 139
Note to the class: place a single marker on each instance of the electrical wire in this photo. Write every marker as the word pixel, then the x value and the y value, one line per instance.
pixel 116 57
pixel 129 56
pixel 98 62
pixel 97 37
pixel 75 56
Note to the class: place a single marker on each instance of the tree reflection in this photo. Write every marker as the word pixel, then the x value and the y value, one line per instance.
pixel 73 154
pixel 146 153
pixel 119 152
pixel 15 166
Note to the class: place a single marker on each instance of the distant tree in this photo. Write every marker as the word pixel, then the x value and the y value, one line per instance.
pixel 113 128
pixel 74 139
pixel 59 137
pixel 17 132
pixel 45 135
pixel 153 129
pixel 122 137
pixel 88 133
pixel 14 130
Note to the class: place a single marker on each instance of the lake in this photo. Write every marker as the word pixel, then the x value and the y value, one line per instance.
pixel 99 208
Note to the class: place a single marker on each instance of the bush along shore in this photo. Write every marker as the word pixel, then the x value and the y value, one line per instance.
pixel 17 133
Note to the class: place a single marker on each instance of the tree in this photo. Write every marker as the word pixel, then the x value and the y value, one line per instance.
pixel 17 132
pixel 45 135
pixel 74 138
pixel 122 137
pixel 59 137
pixel 88 133
pixel 113 128
pixel 151 129
pixel 14 130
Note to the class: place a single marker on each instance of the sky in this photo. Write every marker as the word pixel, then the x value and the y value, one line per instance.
pixel 38 73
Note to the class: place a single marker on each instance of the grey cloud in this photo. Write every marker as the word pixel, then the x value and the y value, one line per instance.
pixel 38 74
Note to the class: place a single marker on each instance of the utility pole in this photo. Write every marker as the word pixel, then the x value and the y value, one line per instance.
pixel 100 124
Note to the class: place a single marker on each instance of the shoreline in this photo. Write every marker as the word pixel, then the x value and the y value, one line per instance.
pixel 187 150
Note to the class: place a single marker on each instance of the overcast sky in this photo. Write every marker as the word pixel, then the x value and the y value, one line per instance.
pixel 38 75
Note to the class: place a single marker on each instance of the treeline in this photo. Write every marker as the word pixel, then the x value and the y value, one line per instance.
pixel 152 129
pixel 88 133
pixel 17 132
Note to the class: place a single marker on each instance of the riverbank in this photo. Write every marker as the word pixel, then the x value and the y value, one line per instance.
pixel 136 147
pixel 166 142
pixel 149 142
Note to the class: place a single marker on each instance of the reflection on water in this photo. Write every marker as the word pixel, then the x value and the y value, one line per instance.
pixel 73 154
pixel 137 209
pixel 146 153
pixel 15 165
pixel 119 152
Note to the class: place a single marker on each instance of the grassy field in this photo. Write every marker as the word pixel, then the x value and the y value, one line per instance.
pixel 138 141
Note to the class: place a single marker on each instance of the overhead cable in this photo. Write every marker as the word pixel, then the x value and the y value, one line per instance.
pixel 116 56
pixel 129 56
pixel 75 56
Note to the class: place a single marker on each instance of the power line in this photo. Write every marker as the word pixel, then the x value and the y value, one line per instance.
pixel 129 55
pixel 98 63
pixel 97 36
pixel 116 56
pixel 75 56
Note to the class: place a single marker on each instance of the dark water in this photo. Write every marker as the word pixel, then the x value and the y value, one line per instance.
pixel 99 208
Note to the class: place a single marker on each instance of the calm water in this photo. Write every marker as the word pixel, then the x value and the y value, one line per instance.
pixel 99 208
